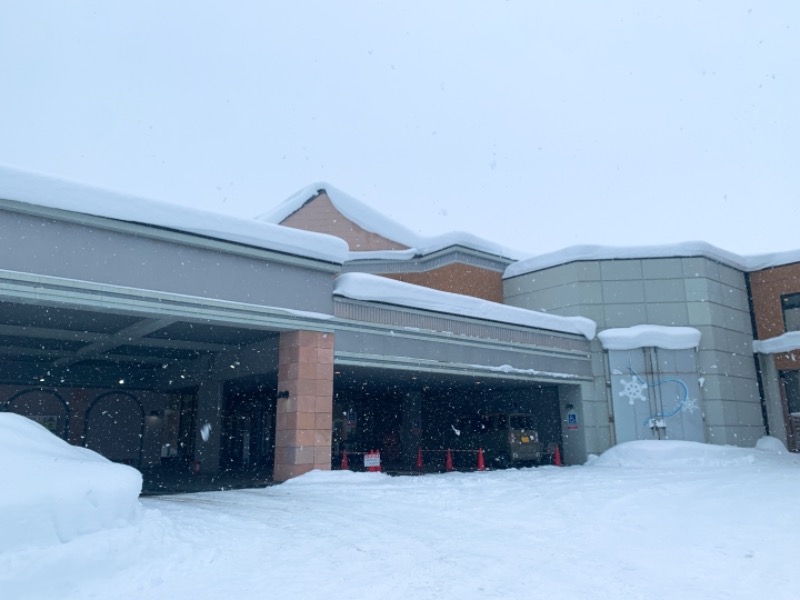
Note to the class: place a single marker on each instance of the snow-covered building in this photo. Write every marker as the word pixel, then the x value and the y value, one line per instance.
pixel 208 349
pixel 184 342
pixel 674 356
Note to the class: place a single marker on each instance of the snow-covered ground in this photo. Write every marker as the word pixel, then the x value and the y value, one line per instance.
pixel 645 520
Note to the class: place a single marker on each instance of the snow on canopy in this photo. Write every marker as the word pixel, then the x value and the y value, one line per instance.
pixel 54 492
pixel 50 192
pixel 787 342
pixel 368 218
pixel 681 250
pixel 645 336
pixel 363 286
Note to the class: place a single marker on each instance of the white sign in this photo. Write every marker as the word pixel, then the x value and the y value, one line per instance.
pixel 372 459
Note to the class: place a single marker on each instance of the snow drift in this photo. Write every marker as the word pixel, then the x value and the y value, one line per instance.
pixel 54 492
pixel 696 522
pixel 670 454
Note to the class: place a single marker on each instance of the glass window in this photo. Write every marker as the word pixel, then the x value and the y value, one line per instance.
pixel 791 380
pixel 791 311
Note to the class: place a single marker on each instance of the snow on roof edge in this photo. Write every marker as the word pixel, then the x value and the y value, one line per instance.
pixel 645 336
pixel 679 250
pixel 786 342
pixel 52 192
pixel 357 211
pixel 364 286
pixel 370 219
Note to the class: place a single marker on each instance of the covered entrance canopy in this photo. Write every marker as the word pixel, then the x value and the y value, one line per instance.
pixel 149 332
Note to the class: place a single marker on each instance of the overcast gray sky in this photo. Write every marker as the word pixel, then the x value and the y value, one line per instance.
pixel 538 125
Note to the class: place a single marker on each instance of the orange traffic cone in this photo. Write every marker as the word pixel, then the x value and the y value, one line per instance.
pixel 481 460
pixel 448 462
pixel 420 464
pixel 345 462
pixel 557 457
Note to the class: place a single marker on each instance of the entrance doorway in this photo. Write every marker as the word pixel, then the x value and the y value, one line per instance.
pixel 248 429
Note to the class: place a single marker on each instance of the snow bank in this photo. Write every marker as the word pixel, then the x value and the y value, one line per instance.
pixel 645 336
pixel 56 193
pixel 787 342
pixel 668 454
pixel 577 532
pixel 363 286
pixel 54 492
pixel 344 477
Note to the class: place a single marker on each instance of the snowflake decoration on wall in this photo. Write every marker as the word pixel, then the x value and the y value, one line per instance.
pixel 633 390
pixel 690 405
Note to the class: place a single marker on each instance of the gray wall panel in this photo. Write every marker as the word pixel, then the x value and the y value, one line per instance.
pixel 695 292
pixel 68 250
pixel 393 348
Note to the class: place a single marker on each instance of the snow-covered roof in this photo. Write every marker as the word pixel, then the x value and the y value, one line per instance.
pixel 646 336
pixel 368 218
pixel 56 193
pixel 787 342
pixel 363 286
pixel 685 249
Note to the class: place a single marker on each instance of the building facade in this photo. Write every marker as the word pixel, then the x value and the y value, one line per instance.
pixel 197 347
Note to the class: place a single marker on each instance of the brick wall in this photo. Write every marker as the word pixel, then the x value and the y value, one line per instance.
pixel 460 279
pixel 321 215
pixel 304 418
pixel 767 286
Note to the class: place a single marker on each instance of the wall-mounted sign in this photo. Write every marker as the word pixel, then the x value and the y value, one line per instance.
pixel 572 420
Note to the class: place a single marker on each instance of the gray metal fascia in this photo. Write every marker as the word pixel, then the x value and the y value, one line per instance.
pixel 395 330
pixel 455 340
pixel 427 262
pixel 80 294
pixel 167 235
pixel 429 366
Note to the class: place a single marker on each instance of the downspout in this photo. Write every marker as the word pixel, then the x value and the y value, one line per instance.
pixel 759 375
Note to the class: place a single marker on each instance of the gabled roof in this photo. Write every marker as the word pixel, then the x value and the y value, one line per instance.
pixel 371 220
pixel 50 192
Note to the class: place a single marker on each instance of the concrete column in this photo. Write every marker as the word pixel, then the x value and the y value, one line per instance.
pixel 573 435
pixel 208 436
pixel 305 404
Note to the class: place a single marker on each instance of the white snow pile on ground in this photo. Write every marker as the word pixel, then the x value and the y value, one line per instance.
pixel 662 520
pixel 53 492
pixel 676 454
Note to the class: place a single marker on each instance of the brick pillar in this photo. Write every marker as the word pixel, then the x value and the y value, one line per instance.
pixel 304 419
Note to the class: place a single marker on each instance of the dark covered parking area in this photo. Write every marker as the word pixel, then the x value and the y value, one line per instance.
pixel 405 413
pixel 129 386
pixel 410 380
